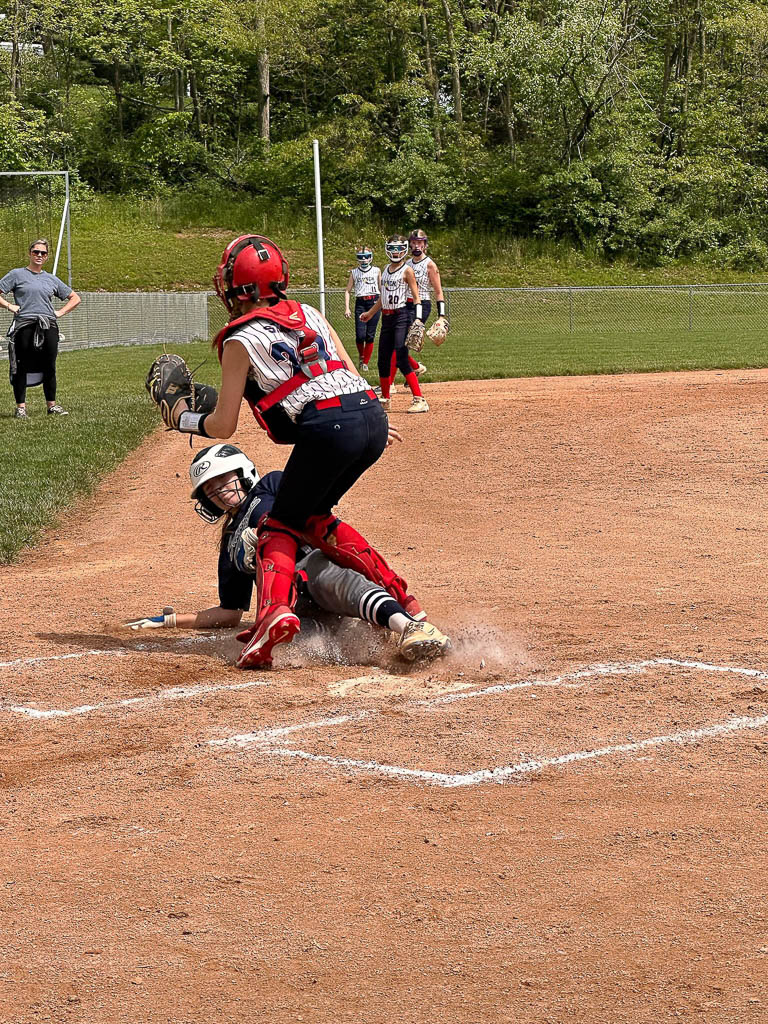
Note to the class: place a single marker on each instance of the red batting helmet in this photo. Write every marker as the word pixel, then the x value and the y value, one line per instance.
pixel 251 267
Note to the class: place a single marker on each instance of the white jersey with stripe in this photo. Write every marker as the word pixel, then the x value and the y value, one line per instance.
pixel 366 282
pixel 274 354
pixel 394 288
pixel 421 273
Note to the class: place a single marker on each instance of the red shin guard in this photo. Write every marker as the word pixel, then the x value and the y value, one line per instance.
pixel 345 546
pixel 276 571
pixel 277 557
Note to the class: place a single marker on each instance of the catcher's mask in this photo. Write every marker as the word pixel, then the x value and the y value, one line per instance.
pixel 396 250
pixel 364 259
pixel 252 267
pixel 418 242
pixel 216 460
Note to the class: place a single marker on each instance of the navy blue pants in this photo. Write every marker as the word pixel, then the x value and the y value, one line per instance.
pixel 335 447
pixel 426 309
pixel 394 328
pixel 366 333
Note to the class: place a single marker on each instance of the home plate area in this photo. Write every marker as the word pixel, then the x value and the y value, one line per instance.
pixel 646 710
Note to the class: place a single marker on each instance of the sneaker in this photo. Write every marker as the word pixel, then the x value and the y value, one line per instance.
pixel 385 403
pixel 56 410
pixel 421 368
pixel 421 641
pixel 363 367
pixel 419 404
pixel 278 626
pixel 20 414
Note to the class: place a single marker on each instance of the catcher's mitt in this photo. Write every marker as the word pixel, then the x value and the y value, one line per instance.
pixel 415 337
pixel 438 330
pixel 172 389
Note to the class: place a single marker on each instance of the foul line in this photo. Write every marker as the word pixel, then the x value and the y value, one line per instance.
pixel 174 693
pixel 115 652
pixel 507 772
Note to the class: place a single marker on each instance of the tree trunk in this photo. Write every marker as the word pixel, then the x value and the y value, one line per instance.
pixel 196 101
pixel 431 80
pixel 117 82
pixel 455 75
pixel 262 67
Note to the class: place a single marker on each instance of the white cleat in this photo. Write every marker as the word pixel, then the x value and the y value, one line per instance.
pixel 419 404
pixel 421 641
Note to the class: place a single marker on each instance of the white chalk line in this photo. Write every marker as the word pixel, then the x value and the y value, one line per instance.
pixel 171 694
pixel 569 680
pixel 115 652
pixel 507 772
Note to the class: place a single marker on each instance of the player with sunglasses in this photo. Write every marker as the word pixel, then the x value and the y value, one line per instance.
pixel 34 333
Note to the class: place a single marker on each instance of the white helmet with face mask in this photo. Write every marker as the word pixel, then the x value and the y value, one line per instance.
pixel 214 461
pixel 364 259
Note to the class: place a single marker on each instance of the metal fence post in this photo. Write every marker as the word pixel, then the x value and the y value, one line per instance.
pixel 690 308
pixel 570 311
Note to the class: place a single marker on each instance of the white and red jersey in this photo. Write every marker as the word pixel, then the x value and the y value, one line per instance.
pixel 395 290
pixel 421 273
pixel 274 354
pixel 366 282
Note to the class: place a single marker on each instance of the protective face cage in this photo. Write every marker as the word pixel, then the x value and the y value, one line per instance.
pixel 396 250
pixel 364 258
pixel 418 243
pixel 266 262
pixel 214 461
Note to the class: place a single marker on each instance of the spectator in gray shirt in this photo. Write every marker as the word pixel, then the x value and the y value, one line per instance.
pixel 34 334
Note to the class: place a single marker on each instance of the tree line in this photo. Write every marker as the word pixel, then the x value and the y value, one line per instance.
pixel 630 126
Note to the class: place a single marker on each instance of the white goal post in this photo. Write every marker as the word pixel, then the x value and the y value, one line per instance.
pixel 64 227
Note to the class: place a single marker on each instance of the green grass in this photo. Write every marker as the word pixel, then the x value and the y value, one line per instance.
pixel 49 460
pixel 175 242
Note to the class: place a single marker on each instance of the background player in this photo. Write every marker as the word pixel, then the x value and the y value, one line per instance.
pixel 225 485
pixel 286 360
pixel 366 281
pixel 397 283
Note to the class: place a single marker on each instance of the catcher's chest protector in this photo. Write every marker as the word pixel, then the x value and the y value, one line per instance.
pixel 266 408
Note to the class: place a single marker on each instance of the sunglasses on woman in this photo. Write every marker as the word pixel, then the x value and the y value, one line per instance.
pixel 39 252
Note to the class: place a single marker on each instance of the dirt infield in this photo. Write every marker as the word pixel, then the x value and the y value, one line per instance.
pixel 564 821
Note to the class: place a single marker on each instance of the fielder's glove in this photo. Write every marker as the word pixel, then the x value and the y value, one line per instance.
pixel 415 337
pixel 438 330
pixel 168 619
pixel 171 387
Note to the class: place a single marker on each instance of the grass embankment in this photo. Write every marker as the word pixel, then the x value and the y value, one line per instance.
pixel 174 243
pixel 49 460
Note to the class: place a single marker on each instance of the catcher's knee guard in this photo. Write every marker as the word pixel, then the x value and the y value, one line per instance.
pixel 276 574
pixel 345 546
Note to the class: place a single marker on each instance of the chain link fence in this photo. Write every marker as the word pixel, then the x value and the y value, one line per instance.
pixel 514 314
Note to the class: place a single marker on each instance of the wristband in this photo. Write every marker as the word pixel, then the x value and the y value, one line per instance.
pixel 169 618
pixel 419 312
pixel 440 307
pixel 192 423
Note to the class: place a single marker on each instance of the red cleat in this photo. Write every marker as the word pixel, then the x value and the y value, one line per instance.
pixel 279 626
